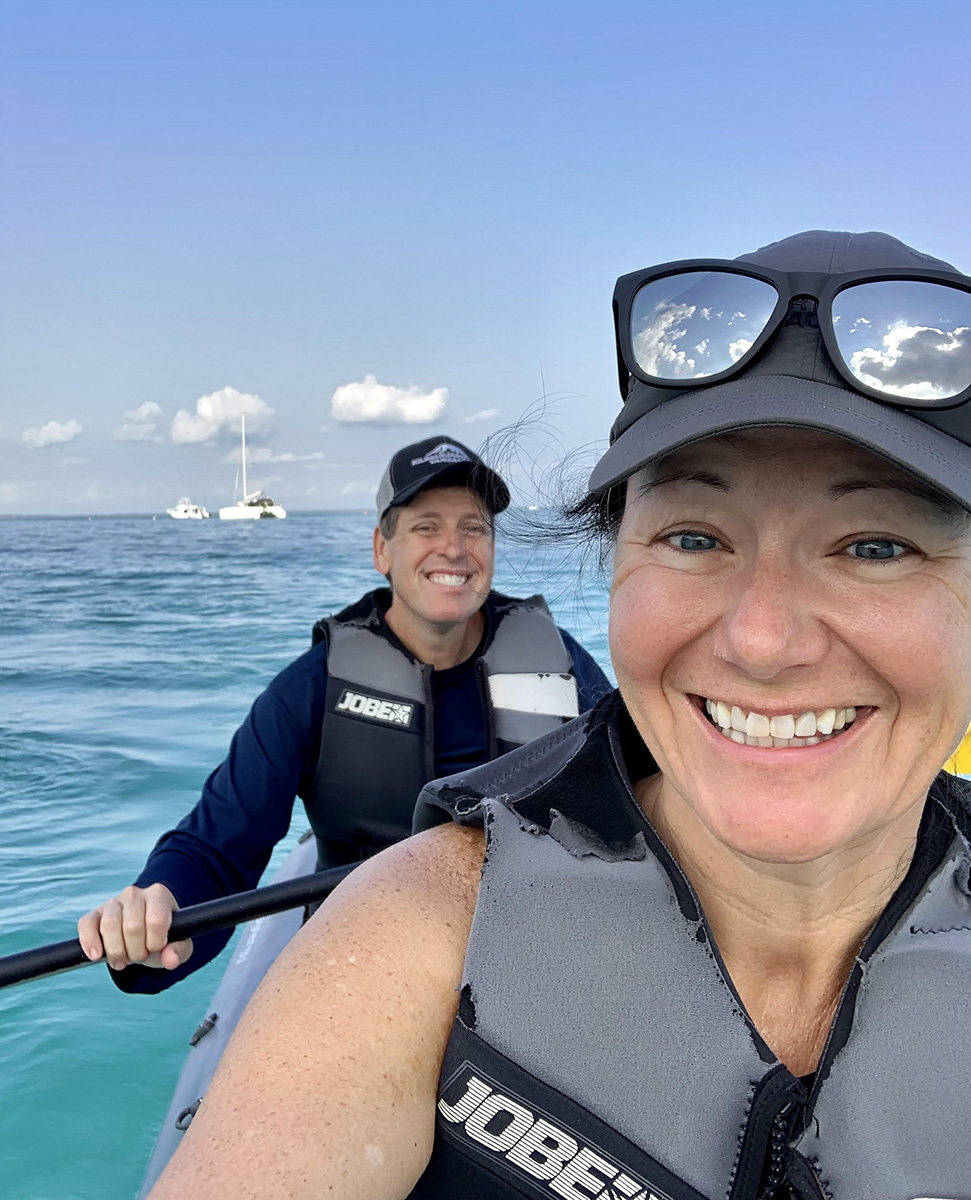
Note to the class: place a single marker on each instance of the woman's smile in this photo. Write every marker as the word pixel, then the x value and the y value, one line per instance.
pixel 782 731
pixel 847 723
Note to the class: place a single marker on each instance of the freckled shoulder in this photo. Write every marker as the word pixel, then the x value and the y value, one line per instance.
pixel 329 1084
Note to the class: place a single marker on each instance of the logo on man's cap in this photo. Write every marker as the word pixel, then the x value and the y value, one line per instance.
pixel 444 452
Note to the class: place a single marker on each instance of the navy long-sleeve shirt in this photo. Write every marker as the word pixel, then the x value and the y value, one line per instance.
pixel 224 844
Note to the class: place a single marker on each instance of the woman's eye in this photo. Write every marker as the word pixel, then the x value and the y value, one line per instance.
pixel 692 540
pixel 875 549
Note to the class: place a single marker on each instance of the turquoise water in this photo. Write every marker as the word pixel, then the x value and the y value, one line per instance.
pixel 130 649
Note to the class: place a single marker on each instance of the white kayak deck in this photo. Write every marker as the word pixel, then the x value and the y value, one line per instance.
pixel 259 946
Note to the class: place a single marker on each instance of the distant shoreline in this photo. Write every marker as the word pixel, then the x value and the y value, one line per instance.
pixel 149 516
pixel 306 512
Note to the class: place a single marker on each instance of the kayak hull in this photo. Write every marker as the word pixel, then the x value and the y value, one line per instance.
pixel 257 949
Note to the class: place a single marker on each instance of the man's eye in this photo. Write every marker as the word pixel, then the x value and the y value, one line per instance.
pixel 875 549
pixel 691 540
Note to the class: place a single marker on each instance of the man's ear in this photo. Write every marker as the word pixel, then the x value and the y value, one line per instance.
pixel 381 562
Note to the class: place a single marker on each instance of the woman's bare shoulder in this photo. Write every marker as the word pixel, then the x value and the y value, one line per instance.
pixel 344 1039
pixel 443 863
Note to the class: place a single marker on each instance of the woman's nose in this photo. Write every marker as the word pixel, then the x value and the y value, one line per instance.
pixel 769 624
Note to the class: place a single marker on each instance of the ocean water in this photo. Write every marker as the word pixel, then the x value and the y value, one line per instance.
pixel 130 649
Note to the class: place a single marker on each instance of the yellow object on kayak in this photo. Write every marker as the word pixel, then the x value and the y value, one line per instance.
pixel 960 761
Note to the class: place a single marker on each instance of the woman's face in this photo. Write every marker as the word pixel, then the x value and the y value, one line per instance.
pixel 779 573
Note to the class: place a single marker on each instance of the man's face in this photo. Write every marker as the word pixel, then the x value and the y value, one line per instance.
pixel 440 558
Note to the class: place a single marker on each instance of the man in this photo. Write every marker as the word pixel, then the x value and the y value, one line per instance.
pixel 428 677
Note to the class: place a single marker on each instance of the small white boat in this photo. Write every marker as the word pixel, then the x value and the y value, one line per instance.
pixel 253 506
pixel 185 510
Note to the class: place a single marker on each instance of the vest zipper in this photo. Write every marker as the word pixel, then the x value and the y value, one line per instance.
pixel 788 1176
pixel 776 1152
pixel 767 1167
pixel 931 850
pixel 487 714
pixel 426 679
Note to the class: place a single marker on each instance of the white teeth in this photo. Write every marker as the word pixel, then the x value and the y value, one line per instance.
pixel 806 725
pixel 448 580
pixel 756 725
pixel 783 727
pixel 782 732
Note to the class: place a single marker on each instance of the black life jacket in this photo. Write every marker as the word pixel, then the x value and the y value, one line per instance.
pixel 601 1051
pixel 377 741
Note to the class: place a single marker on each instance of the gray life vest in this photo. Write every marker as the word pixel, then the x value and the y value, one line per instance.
pixel 601 1051
pixel 377 741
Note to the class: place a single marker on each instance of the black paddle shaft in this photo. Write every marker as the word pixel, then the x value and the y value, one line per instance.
pixel 194 921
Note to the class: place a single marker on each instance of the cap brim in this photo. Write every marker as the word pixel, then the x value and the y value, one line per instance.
pixel 477 477
pixel 790 402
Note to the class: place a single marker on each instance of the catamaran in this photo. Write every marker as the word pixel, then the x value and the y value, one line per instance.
pixel 251 507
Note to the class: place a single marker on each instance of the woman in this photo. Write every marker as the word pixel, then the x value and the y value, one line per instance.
pixel 722 940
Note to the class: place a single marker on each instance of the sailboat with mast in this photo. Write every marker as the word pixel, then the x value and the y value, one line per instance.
pixel 251 507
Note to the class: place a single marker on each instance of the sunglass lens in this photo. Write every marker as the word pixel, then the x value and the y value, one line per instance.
pixel 906 337
pixel 698 323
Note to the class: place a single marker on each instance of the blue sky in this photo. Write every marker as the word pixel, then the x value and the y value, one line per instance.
pixel 264 203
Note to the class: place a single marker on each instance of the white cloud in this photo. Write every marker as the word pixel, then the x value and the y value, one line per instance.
pixel 52 434
pixel 141 424
pixel 916 361
pixel 484 414
pixel 359 488
pixel 218 415
pixel 383 404
pixel 9 493
pixel 656 343
pixel 263 454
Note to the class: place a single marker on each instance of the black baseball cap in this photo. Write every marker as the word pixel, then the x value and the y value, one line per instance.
pixel 439 462
pixel 794 384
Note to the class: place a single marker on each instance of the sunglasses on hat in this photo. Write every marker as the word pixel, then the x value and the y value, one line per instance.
pixel 902 337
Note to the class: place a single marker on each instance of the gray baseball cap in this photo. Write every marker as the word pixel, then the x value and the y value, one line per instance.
pixel 794 384
pixel 439 462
